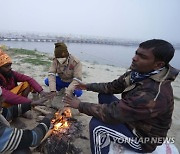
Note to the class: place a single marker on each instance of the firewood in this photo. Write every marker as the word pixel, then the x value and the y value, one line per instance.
pixel 47 135
pixel 41 110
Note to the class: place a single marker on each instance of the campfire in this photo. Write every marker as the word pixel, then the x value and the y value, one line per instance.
pixel 61 121
pixel 60 138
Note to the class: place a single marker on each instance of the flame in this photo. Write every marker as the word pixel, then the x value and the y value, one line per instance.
pixel 60 122
pixel 66 124
pixel 57 126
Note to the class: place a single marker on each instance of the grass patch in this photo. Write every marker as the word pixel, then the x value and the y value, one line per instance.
pixel 16 51
pixel 34 58
pixel 36 61
pixel 24 51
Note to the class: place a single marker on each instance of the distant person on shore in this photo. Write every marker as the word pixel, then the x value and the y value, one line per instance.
pixel 141 119
pixel 9 79
pixel 64 72
pixel 18 141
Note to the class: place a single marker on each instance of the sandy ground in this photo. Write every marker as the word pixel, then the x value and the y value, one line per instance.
pixel 91 73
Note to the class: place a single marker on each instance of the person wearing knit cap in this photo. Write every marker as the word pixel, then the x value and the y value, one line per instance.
pixel 16 140
pixel 68 69
pixel 9 79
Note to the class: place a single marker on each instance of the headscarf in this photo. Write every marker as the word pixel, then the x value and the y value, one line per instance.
pixel 137 77
pixel 4 58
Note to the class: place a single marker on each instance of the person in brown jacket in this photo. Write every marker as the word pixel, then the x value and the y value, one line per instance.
pixel 141 119
pixel 68 69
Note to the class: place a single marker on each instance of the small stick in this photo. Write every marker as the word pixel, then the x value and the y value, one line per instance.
pixel 41 110
pixel 47 135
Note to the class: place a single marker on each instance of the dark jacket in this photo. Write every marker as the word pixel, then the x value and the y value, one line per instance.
pixel 12 82
pixel 146 107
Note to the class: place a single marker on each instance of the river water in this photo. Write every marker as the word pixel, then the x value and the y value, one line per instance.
pixel 94 53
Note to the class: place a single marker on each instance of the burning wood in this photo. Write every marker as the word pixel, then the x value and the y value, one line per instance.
pixel 60 121
pixel 59 139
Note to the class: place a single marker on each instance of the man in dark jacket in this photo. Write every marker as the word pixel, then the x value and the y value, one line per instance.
pixel 19 140
pixel 141 119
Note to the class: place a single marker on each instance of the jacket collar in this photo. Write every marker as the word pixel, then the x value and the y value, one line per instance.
pixel 168 73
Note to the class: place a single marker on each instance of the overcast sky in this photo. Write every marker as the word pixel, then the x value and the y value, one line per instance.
pixel 126 19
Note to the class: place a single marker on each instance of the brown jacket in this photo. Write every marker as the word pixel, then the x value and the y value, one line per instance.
pixel 146 107
pixel 72 68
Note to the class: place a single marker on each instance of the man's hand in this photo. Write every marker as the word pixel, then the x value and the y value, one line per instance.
pixel 52 94
pixel 48 95
pixel 39 101
pixel 71 101
pixel 80 84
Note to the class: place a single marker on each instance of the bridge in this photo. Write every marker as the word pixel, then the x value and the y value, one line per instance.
pixel 68 40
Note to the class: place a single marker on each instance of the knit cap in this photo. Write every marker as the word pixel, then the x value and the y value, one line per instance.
pixel 60 50
pixel 4 58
